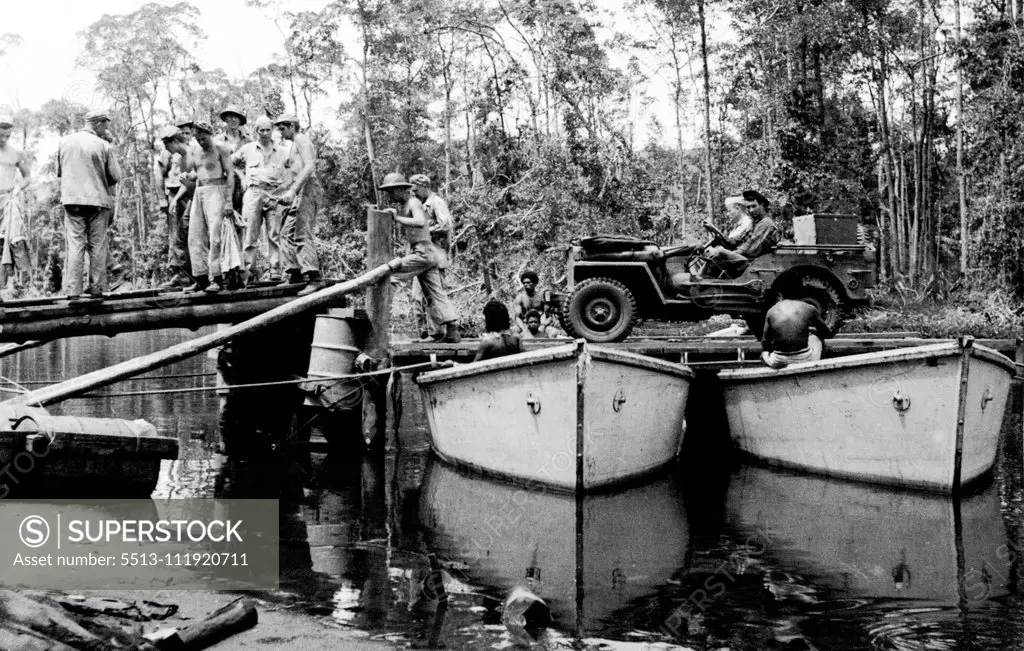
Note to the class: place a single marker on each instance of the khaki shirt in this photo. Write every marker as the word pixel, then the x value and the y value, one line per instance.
pixel 87 169
pixel 266 167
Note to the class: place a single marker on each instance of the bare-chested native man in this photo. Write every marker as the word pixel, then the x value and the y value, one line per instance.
pixel 210 165
pixel 787 333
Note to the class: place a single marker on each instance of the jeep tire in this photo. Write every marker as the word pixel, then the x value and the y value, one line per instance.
pixel 823 295
pixel 600 310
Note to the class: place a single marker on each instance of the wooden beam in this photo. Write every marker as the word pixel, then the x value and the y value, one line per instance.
pixel 103 377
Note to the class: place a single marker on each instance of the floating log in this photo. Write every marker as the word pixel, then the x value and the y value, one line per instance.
pixel 103 377
pixel 237 616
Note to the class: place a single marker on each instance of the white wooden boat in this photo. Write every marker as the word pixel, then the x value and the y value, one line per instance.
pixel 588 556
pixel 573 417
pixel 925 417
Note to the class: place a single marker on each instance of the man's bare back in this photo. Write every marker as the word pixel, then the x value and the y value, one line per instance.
pixel 788 323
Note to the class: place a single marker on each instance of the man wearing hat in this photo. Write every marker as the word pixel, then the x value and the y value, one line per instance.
pixel 733 255
pixel 232 139
pixel 12 227
pixel 187 128
pixel 423 257
pixel 440 220
pixel 267 169
pixel 298 248
pixel 210 166
pixel 87 168
pixel 174 197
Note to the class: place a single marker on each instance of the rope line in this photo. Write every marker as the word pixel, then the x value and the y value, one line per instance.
pixel 321 380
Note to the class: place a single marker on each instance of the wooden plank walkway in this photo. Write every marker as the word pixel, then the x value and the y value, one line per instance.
pixel 56 317
pixel 704 352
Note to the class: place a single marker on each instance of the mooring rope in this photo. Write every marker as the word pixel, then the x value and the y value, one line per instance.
pixel 319 380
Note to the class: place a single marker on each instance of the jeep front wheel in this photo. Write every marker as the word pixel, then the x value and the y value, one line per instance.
pixel 599 310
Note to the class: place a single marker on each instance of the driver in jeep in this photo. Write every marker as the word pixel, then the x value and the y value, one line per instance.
pixel 745 242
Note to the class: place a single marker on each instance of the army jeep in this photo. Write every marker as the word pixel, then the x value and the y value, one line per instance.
pixel 614 281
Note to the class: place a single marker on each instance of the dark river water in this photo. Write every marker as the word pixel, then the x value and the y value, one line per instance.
pixel 713 555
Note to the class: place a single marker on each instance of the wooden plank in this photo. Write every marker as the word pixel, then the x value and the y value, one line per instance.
pixel 132 367
pixel 672 348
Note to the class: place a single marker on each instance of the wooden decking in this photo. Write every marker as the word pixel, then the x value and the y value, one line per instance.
pixel 700 352
pixel 56 317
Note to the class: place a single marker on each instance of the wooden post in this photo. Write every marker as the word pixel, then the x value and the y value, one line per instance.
pixel 379 247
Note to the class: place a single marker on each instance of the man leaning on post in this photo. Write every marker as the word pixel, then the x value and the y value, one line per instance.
pixel 88 171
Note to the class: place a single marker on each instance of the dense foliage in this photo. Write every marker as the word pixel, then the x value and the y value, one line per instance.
pixel 534 119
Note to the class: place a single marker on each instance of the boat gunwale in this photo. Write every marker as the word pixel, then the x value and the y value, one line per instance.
pixel 949 348
pixel 555 353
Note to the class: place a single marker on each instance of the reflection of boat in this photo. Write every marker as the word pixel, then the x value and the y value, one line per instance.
pixel 47 454
pixel 873 542
pixel 926 417
pixel 630 543
pixel 533 415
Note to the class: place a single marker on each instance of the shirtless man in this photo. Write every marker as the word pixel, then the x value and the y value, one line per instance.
pixel 528 299
pixel 298 249
pixel 12 161
pixel 174 200
pixel 498 339
pixel 210 166
pixel 233 138
pixel 787 334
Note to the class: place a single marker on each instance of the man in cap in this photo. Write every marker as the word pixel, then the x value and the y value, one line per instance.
pixel 210 166
pixel 88 170
pixel 423 257
pixel 269 168
pixel 174 197
pixel 187 128
pixel 232 139
pixel 732 256
pixel 440 220
pixel 12 227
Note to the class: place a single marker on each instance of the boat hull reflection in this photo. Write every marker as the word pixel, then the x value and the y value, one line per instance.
pixel 873 542
pixel 503 536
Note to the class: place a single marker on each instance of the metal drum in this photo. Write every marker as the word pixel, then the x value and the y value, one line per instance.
pixel 333 353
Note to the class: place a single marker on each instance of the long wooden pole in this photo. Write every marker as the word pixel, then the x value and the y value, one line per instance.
pixel 132 367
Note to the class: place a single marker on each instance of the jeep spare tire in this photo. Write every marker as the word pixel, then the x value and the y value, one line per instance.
pixel 600 310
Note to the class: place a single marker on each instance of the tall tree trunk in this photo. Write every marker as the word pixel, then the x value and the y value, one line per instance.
pixel 707 108
pixel 961 178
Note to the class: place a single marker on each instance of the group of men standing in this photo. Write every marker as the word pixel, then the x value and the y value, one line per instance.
pixel 223 192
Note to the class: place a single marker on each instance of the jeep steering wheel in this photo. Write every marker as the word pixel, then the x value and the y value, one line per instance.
pixel 716 235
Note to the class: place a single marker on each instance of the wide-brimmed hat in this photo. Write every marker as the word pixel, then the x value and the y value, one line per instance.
pixel 287 118
pixel 167 133
pixel 421 180
pixel 233 109
pixel 6 121
pixel 186 122
pixel 394 180
pixel 97 116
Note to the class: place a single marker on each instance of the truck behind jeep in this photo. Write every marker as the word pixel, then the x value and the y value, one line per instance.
pixel 614 281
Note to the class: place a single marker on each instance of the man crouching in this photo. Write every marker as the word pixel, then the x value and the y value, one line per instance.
pixel 787 334
pixel 423 257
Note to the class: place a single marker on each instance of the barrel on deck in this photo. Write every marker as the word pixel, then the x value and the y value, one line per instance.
pixel 333 353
